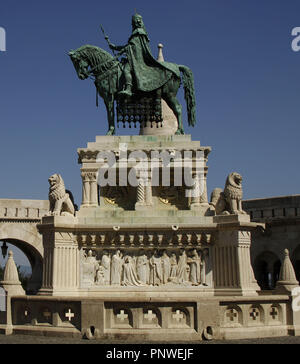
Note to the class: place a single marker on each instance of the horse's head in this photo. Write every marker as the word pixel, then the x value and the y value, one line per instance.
pixel 80 63
pixel 88 59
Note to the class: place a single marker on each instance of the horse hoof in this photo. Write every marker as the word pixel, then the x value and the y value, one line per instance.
pixel 179 132
pixel 111 132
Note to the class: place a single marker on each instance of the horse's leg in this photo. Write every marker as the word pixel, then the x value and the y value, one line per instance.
pixel 169 92
pixel 109 103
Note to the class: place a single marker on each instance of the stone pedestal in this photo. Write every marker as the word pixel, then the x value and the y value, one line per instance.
pixel 233 273
pixel 61 256
pixel 144 235
pixel 147 258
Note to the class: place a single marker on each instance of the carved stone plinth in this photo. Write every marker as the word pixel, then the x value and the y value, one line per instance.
pixel 61 256
pixel 162 171
pixel 233 273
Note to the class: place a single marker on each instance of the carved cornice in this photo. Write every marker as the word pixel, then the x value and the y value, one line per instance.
pixel 142 239
pixel 90 155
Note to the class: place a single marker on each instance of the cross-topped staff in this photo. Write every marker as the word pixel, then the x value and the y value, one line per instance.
pixel 106 37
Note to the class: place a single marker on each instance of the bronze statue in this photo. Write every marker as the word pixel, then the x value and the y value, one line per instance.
pixel 135 79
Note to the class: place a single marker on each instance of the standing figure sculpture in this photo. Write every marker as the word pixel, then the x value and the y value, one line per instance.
pixel 173 268
pixel 105 263
pixel 166 267
pixel 182 274
pixel 142 267
pixel 138 74
pixel 155 269
pixel 195 263
pixel 116 268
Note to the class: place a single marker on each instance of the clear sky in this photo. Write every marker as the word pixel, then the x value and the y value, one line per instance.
pixel 247 81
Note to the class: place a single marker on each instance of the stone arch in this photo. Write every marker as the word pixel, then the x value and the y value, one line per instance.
pixel 295 259
pixel 266 269
pixel 26 237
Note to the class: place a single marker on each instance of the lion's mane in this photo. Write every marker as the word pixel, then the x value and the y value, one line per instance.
pixel 57 191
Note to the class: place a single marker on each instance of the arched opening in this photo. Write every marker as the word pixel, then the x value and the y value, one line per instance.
pixel 295 258
pixel 21 261
pixel 28 261
pixel 25 237
pixel 266 269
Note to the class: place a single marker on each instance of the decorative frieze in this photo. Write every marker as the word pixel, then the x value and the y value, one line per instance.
pixel 144 267
pixel 144 239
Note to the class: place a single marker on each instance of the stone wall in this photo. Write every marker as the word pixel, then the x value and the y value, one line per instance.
pixel 152 318
pixel 282 218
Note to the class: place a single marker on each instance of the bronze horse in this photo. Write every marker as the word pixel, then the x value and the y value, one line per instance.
pixel 90 60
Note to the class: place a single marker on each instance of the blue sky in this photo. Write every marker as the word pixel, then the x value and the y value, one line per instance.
pixel 247 81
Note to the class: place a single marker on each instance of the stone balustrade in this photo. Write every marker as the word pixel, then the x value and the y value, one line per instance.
pixel 23 209
pixel 273 208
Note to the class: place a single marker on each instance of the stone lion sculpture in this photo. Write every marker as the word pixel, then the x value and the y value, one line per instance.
pixel 229 200
pixel 60 201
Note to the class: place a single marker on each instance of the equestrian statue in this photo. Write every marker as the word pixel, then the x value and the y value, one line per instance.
pixel 135 80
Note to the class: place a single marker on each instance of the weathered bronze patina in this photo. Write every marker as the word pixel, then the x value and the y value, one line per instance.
pixel 137 81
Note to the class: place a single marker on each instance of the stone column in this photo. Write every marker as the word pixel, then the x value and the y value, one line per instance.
pixel 144 191
pixel 203 198
pixel 195 192
pixel 85 189
pixel 148 190
pixel 140 193
pixel 89 189
pixel 93 189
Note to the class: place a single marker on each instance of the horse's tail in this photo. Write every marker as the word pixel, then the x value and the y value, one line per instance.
pixel 189 93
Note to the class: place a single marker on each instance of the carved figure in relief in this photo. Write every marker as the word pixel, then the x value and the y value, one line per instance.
pixel 89 267
pixel 116 268
pixel 142 267
pixel 229 201
pixel 59 199
pixel 130 277
pixel 166 267
pixel 100 276
pixel 105 263
pixel 204 259
pixel 173 268
pixel 194 262
pixel 182 272
pixel 155 269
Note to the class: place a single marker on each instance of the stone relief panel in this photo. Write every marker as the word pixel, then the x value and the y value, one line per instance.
pixel 145 267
